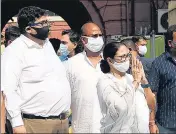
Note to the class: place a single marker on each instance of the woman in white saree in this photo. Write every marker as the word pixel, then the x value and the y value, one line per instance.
pixel 117 90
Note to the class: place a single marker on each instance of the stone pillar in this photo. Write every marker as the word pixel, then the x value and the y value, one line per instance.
pixel 172 12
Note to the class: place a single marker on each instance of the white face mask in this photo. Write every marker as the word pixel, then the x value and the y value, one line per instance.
pixel 122 67
pixel 142 50
pixel 94 44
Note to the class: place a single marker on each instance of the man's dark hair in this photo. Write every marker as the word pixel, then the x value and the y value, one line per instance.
pixel 28 16
pixel 136 39
pixel 11 33
pixel 74 38
pixel 55 43
pixel 169 35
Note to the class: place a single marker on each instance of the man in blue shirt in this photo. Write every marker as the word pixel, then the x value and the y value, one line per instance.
pixel 162 79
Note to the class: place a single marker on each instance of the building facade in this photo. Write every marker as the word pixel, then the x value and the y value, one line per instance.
pixel 115 17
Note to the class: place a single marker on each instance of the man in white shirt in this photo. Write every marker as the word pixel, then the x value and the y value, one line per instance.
pixel 83 72
pixel 33 79
pixel 11 33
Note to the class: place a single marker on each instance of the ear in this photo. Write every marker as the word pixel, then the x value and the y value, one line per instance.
pixel 75 45
pixel 28 29
pixel 169 43
pixel 137 47
pixel 9 42
pixel 109 60
pixel 83 40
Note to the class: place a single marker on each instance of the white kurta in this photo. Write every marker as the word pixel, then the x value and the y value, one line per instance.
pixel 117 102
pixel 83 78
pixel 124 109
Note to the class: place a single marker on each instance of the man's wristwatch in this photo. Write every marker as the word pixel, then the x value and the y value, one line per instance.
pixel 145 85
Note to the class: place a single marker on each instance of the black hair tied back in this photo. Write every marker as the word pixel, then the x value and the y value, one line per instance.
pixel 105 68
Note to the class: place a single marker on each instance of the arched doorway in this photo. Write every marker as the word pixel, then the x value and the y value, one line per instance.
pixel 73 11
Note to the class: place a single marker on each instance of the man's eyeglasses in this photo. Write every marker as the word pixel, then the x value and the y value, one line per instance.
pixel 123 57
pixel 41 24
pixel 94 35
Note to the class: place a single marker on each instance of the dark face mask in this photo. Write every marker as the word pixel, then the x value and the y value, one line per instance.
pixel 42 33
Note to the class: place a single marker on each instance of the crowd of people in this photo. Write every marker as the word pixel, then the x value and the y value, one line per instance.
pixel 80 81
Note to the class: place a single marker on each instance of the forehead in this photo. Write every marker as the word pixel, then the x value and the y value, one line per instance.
pixel 65 37
pixel 122 50
pixel 92 29
pixel 142 41
pixel 42 18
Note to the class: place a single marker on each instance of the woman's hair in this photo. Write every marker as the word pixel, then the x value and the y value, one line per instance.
pixel 109 51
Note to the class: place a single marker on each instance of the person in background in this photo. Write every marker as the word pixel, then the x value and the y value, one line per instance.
pixel 11 33
pixel 33 80
pixel 137 46
pixel 70 45
pixel 83 72
pixel 55 43
pixel 3 116
pixel 162 79
pixel 2 44
pixel 144 94
pixel 141 45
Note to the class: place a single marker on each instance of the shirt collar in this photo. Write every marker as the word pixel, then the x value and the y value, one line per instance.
pixel 31 43
pixel 169 57
pixel 87 59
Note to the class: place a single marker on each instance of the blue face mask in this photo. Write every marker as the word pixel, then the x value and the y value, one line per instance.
pixel 64 52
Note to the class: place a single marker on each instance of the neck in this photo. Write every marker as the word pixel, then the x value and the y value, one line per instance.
pixel 94 58
pixel 116 73
pixel 173 53
pixel 72 53
pixel 141 55
pixel 38 41
pixel 93 54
